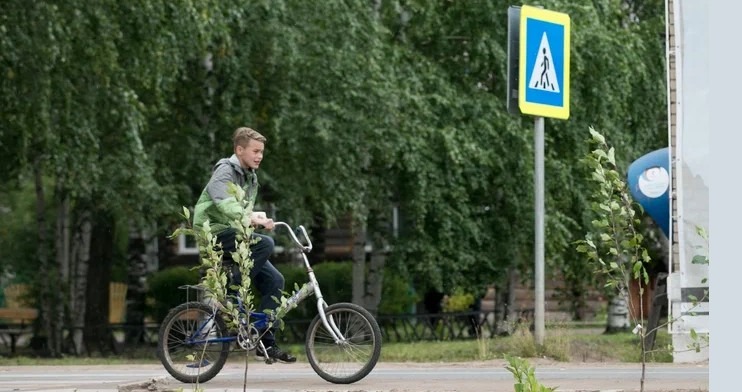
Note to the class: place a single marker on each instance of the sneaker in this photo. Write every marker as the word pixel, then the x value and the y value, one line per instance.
pixel 275 353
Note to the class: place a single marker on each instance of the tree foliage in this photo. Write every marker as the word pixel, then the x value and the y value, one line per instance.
pixel 122 108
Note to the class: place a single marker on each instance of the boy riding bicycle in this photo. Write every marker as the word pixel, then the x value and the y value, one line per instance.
pixel 219 207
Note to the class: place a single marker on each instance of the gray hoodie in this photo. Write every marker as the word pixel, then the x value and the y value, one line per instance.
pixel 216 204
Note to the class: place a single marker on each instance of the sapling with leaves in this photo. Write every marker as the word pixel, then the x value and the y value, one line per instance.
pixel 215 280
pixel 699 341
pixel 525 376
pixel 218 289
pixel 614 245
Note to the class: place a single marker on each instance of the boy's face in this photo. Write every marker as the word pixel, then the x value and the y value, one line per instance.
pixel 251 154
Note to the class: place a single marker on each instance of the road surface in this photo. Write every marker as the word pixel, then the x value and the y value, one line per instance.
pixel 391 377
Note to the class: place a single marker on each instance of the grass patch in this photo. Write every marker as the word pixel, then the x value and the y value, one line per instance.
pixel 561 344
pixel 622 347
pixel 95 360
pixel 432 351
pixel 566 345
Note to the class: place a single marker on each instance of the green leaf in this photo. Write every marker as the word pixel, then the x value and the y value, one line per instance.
pixel 702 232
pixel 597 137
pixel 176 233
pixel 645 256
pixel 600 154
pixel 612 156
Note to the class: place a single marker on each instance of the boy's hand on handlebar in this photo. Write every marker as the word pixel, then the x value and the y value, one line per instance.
pixel 267 223
pixel 258 218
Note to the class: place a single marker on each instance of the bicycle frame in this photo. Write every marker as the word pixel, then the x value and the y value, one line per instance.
pixel 260 323
pixel 204 325
pixel 302 293
pixel 262 319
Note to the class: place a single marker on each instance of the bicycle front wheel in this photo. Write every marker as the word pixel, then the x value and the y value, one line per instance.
pixel 187 345
pixel 352 357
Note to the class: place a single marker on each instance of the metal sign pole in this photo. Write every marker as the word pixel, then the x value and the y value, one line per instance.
pixel 542 82
pixel 538 181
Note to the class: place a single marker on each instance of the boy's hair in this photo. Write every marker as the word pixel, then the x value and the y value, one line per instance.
pixel 243 135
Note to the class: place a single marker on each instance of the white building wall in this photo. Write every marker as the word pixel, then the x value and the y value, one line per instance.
pixel 691 162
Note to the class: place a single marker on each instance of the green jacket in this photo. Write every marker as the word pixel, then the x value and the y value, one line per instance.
pixel 215 204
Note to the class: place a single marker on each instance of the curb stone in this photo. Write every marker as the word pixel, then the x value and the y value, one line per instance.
pixel 589 390
pixel 158 384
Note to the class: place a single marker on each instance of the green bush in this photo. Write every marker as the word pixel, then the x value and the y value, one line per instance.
pixel 397 296
pixel 164 293
pixel 458 301
pixel 336 281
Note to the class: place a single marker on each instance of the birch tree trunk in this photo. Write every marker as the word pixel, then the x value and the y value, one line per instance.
pixel 381 230
pixel 78 280
pixel 375 279
pixel 47 295
pixel 359 262
pixel 97 335
pixel 618 313
pixel 137 278
pixel 512 315
pixel 62 249
pixel 505 304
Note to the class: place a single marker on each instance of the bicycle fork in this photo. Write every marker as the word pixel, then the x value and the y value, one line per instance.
pixel 312 287
pixel 328 322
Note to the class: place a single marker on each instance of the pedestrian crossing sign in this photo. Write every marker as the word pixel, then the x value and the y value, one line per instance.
pixel 544 63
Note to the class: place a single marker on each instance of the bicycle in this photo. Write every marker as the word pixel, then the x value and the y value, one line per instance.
pixel 343 342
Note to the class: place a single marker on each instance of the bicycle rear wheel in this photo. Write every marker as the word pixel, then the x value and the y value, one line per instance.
pixel 185 345
pixel 355 355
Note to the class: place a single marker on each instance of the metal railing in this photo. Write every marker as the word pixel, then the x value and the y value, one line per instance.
pixel 129 338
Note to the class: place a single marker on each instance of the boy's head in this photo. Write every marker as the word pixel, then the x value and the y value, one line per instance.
pixel 248 147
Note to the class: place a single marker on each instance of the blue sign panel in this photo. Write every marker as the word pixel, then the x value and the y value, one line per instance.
pixel 544 59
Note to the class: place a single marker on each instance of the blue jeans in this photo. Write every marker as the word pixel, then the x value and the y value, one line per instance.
pixel 265 277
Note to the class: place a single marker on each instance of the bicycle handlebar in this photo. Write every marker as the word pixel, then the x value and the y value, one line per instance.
pixel 307 248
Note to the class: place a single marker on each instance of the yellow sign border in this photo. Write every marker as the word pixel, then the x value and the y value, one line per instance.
pixel 537 109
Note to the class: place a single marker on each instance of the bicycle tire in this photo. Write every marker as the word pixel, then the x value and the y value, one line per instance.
pixel 192 362
pixel 352 359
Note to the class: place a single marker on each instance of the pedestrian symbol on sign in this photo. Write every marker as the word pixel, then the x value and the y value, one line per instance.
pixel 544 76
